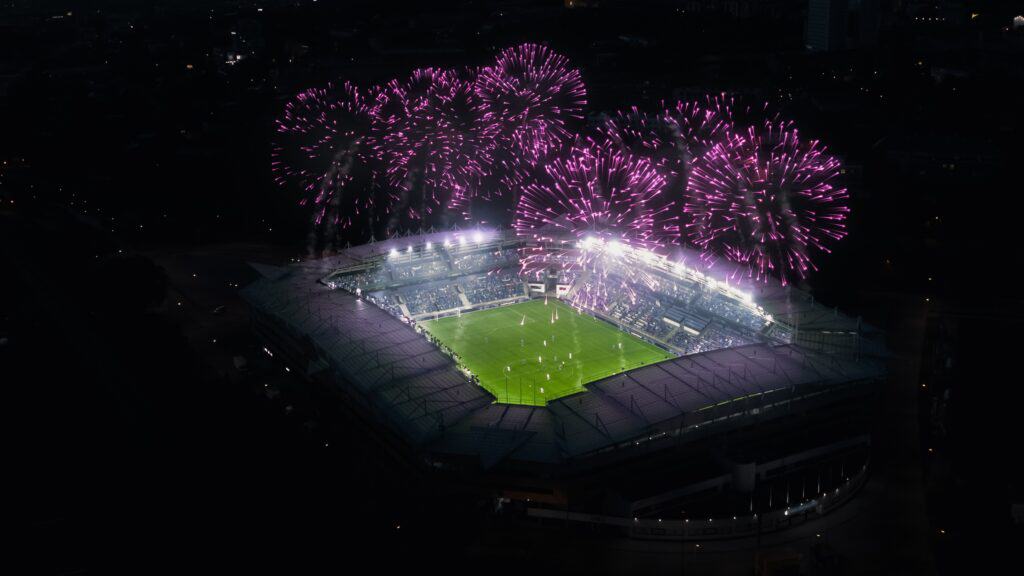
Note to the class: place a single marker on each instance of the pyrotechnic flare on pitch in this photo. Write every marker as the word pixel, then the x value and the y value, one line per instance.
pixel 321 149
pixel 531 101
pixel 767 200
pixel 587 214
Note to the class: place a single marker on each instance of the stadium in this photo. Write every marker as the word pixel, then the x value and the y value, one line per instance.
pixel 639 393
pixel 624 345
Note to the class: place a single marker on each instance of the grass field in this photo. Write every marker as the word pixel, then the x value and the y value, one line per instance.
pixel 524 355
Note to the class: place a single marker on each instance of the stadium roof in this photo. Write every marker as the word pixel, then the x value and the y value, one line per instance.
pixel 419 392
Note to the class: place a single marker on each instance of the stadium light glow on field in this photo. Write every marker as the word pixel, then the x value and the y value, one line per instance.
pixel 514 364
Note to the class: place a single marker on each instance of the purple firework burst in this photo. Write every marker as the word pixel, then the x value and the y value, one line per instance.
pixel 701 123
pixel 767 200
pixel 459 151
pixel 321 149
pixel 670 139
pixel 529 100
pixel 655 137
pixel 589 211
pixel 403 135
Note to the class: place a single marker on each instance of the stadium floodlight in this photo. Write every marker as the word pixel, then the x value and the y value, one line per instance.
pixel 462 240
pixel 429 245
pixel 447 242
pixel 478 237
pixel 394 252
pixel 409 249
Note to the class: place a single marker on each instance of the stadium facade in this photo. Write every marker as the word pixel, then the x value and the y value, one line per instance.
pixel 767 387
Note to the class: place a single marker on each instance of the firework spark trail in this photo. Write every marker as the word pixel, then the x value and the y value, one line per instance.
pixel 460 149
pixel 670 139
pixel 767 200
pixel 319 145
pixel 701 123
pixel 657 138
pixel 674 135
pixel 420 150
pixel 653 136
pixel 590 211
pixel 530 100
pixel 403 136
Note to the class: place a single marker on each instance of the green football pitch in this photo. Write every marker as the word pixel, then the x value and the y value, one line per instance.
pixel 539 350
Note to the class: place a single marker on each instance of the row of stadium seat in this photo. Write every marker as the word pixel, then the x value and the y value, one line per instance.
pixel 467 263
pixel 442 295
pixel 710 339
pixel 419 270
pixel 414 267
pixel 362 279
pixel 500 285
pixel 699 320
pixel 432 297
